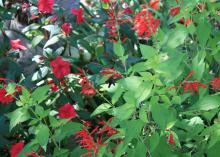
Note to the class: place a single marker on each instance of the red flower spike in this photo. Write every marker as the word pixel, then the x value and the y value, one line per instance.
pixel 60 67
pixel 67 28
pixel 215 83
pixel 4 98
pixel 110 73
pixel 154 4
pixel 46 6
pixel 171 139
pixel 192 86
pixel 67 111
pixel 17 45
pixel 79 15
pixel 16 149
pixel 105 1
pixel 174 11
pixel 53 19
pixel 54 87
pixel 145 25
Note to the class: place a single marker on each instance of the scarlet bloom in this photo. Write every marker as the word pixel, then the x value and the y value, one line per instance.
pixel 67 111
pixel 67 28
pixel 4 98
pixel 192 86
pixel 60 67
pixel 17 44
pixel 16 149
pixel 53 19
pixel 79 15
pixel 87 87
pixel 144 24
pixel 110 73
pixel 106 1
pixel 174 11
pixel 46 6
pixel 171 139
pixel 154 4
pixel 215 83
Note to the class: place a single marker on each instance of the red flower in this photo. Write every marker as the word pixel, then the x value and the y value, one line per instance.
pixel 60 67
pixel 46 6
pixel 171 139
pixel 88 89
pixel 53 19
pixel 67 28
pixel 79 15
pixel 174 11
pixel 16 149
pixel 106 1
pixel 4 98
pixel 86 141
pixel 187 22
pixel 154 4
pixel 192 86
pixel 110 73
pixel 67 111
pixel 17 44
pixel 145 24
pixel 215 83
pixel 18 88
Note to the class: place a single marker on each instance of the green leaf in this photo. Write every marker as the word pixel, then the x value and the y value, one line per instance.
pixel 101 108
pixel 162 115
pixel 154 141
pixel 18 116
pixel 123 112
pixel 66 130
pixel 206 103
pixel 147 51
pixel 118 49
pixel 42 135
pixel 37 40
pixel 51 41
pixel 203 32
pixel 40 94
pixel 176 37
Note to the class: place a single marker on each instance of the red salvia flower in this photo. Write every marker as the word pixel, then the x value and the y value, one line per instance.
pixel 67 111
pixel 17 45
pixel 115 20
pixel 145 25
pixel 174 11
pixel 53 19
pixel 105 1
pixel 46 6
pixel 67 28
pixel 215 83
pixel 16 149
pixel 60 67
pixel 86 141
pixel 154 4
pixel 87 87
pixel 171 139
pixel 79 15
pixel 192 86
pixel 4 98
pixel 110 73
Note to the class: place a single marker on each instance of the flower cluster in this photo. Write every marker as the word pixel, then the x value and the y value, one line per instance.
pixel 60 67
pixel 88 140
pixel 116 18
pixel 144 24
pixel 87 87
pixel 193 86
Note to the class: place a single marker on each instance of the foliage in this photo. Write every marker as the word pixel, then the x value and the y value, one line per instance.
pixel 113 78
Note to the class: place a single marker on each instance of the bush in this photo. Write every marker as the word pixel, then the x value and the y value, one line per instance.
pixel 109 78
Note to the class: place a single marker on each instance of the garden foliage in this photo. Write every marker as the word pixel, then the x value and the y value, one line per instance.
pixel 110 78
